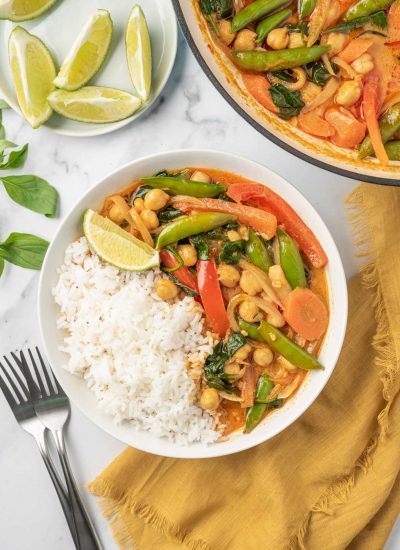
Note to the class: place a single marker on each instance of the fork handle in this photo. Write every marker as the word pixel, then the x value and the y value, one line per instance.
pixel 59 487
pixel 87 536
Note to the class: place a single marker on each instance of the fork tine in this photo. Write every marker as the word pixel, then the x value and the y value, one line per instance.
pixel 32 386
pixel 20 379
pixel 37 373
pixel 45 369
pixel 55 381
pixel 7 394
pixel 21 398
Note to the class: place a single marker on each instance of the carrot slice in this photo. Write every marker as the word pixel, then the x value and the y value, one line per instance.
pixel 306 313
pixel 258 86
pixel 313 123
pixel 355 48
pixel 349 131
pixel 371 105
pixel 263 197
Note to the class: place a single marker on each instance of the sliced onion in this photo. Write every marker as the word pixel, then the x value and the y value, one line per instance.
pixel 175 201
pixel 288 390
pixel 345 66
pixel 230 396
pixel 138 222
pixel 263 279
pixel 329 90
pixel 390 100
pixel 273 315
pixel 327 63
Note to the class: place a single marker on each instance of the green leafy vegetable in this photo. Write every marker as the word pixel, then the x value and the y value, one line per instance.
pixel 142 191
pixel 289 103
pixel 232 252
pixel 179 284
pixel 285 75
pixel 169 214
pixel 32 192
pixel 221 8
pixel 15 159
pixel 203 250
pixel 24 250
pixel 318 73
pixel 378 19
pixel 214 365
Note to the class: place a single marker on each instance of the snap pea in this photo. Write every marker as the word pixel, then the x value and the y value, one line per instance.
pixel 291 261
pixel 305 7
pixel 255 11
pixel 389 124
pixel 257 251
pixel 379 19
pixel 365 7
pixel 186 226
pixel 276 60
pixel 250 329
pixel 255 414
pixel 266 25
pixel 393 150
pixel 182 186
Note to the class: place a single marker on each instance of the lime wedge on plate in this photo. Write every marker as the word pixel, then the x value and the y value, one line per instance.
pixel 94 104
pixel 116 246
pixel 33 72
pixel 138 52
pixel 21 10
pixel 87 53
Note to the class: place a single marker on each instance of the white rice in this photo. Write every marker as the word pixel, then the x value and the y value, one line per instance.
pixel 131 347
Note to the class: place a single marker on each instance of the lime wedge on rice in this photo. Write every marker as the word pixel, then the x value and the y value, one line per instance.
pixel 33 72
pixel 87 53
pixel 21 10
pixel 138 52
pixel 116 246
pixel 94 104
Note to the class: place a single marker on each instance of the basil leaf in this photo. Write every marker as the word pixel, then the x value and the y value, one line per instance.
pixel 24 250
pixel 169 214
pixel 1 266
pixel 203 250
pixel 142 191
pixel 16 159
pixel 286 75
pixel 318 73
pixel 232 251
pixel 181 285
pixel 3 105
pixel 379 19
pixel 222 8
pixel 214 365
pixel 33 193
pixel 289 103
pixel 235 341
pixel 5 144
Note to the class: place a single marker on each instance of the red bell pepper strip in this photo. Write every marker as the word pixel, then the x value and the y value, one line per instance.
pixel 371 104
pixel 263 222
pixel 262 197
pixel 183 274
pixel 211 296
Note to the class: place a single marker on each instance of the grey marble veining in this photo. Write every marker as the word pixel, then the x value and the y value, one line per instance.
pixel 190 114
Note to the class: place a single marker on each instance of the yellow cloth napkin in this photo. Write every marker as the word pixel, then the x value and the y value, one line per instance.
pixel 329 481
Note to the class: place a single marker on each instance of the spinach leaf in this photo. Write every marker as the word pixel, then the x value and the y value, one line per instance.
pixel 286 75
pixel 181 285
pixel 142 191
pixel 222 8
pixel 318 73
pixel 214 365
pixel 24 250
pixel 289 103
pixel 378 19
pixel 203 250
pixel 33 193
pixel 232 251
pixel 169 214
pixel 16 159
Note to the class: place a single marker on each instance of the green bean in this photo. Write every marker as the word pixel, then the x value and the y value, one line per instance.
pixel 305 7
pixel 255 414
pixel 389 124
pixel 182 186
pixel 269 23
pixel 278 59
pixel 255 11
pixel 365 7
pixel 291 261
pixel 393 150
pixel 257 251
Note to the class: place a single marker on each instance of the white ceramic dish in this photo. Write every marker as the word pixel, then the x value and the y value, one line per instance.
pixel 58 29
pixel 71 228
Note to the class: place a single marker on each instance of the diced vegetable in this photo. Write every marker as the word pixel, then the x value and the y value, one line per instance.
pixel 349 131
pixel 258 86
pixel 355 48
pixel 313 123
pixel 291 261
pixel 181 186
pixel 276 60
pixel 257 251
pixel 306 313
pixel 389 124
pixel 254 11
pixel 211 296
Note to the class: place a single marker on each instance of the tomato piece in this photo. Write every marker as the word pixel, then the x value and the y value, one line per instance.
pixel 355 48
pixel 262 197
pixel 182 274
pixel 211 296
pixel 371 105
pixel 349 131
pixel 258 86
pixel 313 123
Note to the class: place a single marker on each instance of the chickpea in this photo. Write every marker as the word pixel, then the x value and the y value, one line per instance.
pixel 138 204
pixel 348 93
pixel 166 289
pixel 336 40
pixel 115 214
pixel 249 283
pixel 225 32
pixel 209 399
pixel 200 176
pixel 228 275
pixel 263 356
pixel 242 353
pixel 278 39
pixel 155 199
pixel 296 40
pixel 188 254
pixel 245 40
pixel 248 311
pixel 363 64
pixel 149 218
pixel 233 235
pixel 232 368
pixel 244 232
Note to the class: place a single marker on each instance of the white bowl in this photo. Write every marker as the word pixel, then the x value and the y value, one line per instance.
pixel 71 228
pixel 58 29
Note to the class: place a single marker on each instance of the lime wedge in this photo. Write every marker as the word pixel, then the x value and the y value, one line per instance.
pixel 138 52
pixel 21 10
pixel 94 104
pixel 33 72
pixel 116 246
pixel 87 53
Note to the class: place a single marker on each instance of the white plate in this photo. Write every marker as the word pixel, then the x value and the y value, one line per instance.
pixel 71 227
pixel 58 29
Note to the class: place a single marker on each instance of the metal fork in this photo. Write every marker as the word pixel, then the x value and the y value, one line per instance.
pixel 52 408
pixel 22 407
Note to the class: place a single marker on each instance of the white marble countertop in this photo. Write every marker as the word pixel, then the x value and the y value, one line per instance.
pixel 191 114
